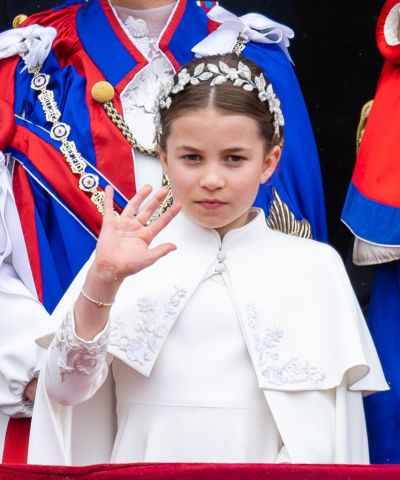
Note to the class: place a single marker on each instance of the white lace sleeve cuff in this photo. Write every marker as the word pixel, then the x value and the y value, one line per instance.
pixel 75 368
pixel 76 356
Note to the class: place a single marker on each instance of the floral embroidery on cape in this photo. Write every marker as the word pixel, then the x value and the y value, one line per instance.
pixel 155 322
pixel 266 340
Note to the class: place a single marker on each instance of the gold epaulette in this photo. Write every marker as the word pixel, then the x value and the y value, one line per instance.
pixel 361 125
pixel 281 218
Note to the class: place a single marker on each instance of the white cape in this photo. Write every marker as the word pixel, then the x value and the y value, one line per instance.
pixel 301 322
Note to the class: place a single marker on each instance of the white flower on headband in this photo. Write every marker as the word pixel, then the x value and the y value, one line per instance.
pixel 221 73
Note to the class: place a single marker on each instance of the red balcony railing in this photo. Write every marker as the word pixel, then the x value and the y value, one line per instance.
pixel 182 471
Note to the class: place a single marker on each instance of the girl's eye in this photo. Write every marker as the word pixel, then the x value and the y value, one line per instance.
pixel 234 158
pixel 193 157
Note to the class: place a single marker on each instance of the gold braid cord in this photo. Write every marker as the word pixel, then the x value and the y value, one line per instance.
pixel 122 126
pixel 88 182
pixel 103 93
pixel 282 219
pixel 363 120
pixel 239 46
pixel 166 203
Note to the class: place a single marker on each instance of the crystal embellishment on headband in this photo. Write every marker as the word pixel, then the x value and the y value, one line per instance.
pixel 220 73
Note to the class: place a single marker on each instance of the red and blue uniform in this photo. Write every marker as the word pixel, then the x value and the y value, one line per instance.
pixel 372 212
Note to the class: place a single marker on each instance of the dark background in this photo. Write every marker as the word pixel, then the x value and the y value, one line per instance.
pixel 337 64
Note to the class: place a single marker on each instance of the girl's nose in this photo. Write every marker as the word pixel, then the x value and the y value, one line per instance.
pixel 212 180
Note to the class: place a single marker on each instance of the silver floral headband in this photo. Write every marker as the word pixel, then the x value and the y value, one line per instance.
pixel 221 73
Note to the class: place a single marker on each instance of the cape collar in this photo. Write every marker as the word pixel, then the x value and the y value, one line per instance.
pixel 188 235
pixel 289 295
pixel 115 54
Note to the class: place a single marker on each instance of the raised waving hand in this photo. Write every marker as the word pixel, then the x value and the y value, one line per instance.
pixel 123 249
pixel 123 244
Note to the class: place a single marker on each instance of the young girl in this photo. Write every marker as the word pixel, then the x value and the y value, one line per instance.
pixel 227 341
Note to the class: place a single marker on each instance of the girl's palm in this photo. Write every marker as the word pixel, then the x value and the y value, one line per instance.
pixel 123 244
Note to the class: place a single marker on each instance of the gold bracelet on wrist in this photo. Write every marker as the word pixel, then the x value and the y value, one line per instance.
pixel 96 302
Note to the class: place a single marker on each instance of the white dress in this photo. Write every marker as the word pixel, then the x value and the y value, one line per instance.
pixel 252 349
pixel 206 409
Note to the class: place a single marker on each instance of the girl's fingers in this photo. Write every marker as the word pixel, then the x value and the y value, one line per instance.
pixel 152 205
pixel 134 203
pixel 161 250
pixel 108 202
pixel 161 222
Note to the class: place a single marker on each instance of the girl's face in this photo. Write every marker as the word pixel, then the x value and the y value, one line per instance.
pixel 215 162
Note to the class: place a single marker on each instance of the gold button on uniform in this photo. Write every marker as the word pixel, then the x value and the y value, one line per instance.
pixel 102 92
pixel 18 20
